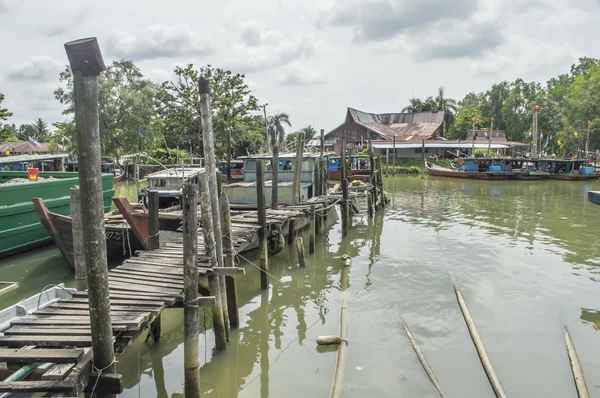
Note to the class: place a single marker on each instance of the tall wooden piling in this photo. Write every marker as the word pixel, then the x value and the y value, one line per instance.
pixel 191 325
pixel 228 156
pixel 323 164
pixel 296 184
pixel 372 168
pixel 85 59
pixel 262 222
pixel 210 163
pixel 317 179
pixel 312 230
pixel 275 178
pixel 394 155
pixel 300 251
pixel 232 302
pixel 370 204
pixel 343 166
pixel 153 220
pixel 422 159
pixel 380 182
pixel 292 230
pixel 78 248
pixel 344 207
pixel 210 245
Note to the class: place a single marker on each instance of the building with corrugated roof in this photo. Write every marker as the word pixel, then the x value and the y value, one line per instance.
pixel 384 127
pixel 24 148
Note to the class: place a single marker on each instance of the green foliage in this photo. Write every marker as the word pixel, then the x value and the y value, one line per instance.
pixel 463 123
pixel 40 130
pixel 309 134
pixel 4 115
pixel 439 103
pixel 276 125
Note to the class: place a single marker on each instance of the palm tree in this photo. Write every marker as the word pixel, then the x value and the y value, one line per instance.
pixel 309 133
pixel 40 128
pixel 276 126
pixel 448 105
pixel 417 105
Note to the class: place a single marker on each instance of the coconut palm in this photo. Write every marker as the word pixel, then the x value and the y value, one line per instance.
pixel 276 126
pixel 448 105
pixel 40 128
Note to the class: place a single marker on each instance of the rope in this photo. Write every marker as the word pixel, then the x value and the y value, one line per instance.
pixel 98 372
pixel 192 304
pixel 47 287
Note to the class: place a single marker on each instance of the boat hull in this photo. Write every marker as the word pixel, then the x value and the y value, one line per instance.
pixel 441 172
pixel 20 226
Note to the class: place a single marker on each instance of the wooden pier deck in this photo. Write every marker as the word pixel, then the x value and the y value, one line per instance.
pixel 59 335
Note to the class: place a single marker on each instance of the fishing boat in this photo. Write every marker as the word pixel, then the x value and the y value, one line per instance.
pixel 475 169
pixel 237 171
pixel 359 167
pixel 20 227
pixel 126 230
pixel 168 183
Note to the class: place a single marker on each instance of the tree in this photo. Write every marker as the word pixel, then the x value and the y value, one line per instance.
pixel 276 127
pixel 4 115
pixel 416 105
pixel 126 103
pixel 309 134
pixel 40 130
pixel 178 103
pixel 463 122
pixel 447 105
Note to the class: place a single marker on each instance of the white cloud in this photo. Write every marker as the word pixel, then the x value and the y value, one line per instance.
pixel 297 74
pixel 157 41
pixel 41 67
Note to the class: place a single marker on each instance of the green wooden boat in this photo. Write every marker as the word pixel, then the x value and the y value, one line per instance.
pixel 20 227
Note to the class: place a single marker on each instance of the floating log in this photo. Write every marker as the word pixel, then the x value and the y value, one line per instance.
pixel 328 340
pixel 483 356
pixel 338 376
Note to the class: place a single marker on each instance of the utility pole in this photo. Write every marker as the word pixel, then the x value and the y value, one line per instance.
pixel 267 128
pixel 490 137
pixel 535 127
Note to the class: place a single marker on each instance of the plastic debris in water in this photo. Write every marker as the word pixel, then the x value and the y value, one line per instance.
pixel 358 368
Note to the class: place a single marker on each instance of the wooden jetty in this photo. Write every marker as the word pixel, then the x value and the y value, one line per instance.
pixel 59 335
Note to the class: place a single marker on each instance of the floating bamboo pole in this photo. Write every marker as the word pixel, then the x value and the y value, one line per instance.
pixel 483 356
pixel 582 390
pixel 338 375
pixel 424 362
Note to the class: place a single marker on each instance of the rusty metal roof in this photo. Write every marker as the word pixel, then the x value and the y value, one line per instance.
pixel 418 117
pixel 405 126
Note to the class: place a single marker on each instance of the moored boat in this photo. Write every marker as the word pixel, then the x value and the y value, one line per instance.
pixel 237 171
pixel 168 183
pixel 465 172
pixel 359 167
pixel 20 227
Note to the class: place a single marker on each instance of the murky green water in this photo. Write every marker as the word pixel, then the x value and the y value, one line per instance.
pixel 524 253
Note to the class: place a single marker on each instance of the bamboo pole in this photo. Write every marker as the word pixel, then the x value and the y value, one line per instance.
pixel 210 162
pixel 209 244
pixel 263 254
pixel 153 220
pixel 85 59
pixel 483 356
pixel 424 362
pixel 576 368
pixel 296 184
pixel 78 248
pixel 338 375
pixel 232 301
pixel 191 325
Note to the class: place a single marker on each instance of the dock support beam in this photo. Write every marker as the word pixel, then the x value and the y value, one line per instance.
pixel 85 59
pixel 78 248
pixel 312 230
pixel 153 221
pixel 300 251
pixel 275 168
pixel 344 207
pixel 263 253
pixel 228 257
pixel 214 286
pixel 191 325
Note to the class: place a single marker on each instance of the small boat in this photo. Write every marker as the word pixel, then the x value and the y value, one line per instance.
pixel 121 239
pixel 467 170
pixel 359 167
pixel 237 171
pixel 168 183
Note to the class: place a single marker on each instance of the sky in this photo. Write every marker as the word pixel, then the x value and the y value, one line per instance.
pixel 310 59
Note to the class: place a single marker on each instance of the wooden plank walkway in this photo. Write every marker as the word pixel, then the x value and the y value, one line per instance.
pixel 140 289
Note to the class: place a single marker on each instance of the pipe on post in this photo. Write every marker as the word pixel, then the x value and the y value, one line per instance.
pixel 85 59
pixel 191 325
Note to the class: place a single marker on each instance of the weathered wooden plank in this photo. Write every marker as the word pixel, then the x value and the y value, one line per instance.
pixel 133 301
pixel 119 308
pixel 131 323
pixel 46 341
pixel 38 386
pixel 119 295
pixel 141 281
pixel 56 331
pixel 79 313
pixel 145 274
pixel 41 355
pixel 58 372
pixel 143 288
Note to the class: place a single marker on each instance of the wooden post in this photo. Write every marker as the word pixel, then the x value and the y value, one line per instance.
pixel 370 204
pixel 312 230
pixel 317 179
pixel 292 230
pixel 210 246
pixel 86 63
pixel 380 181
pixel 300 251
pixel 275 178
pixel 344 207
pixel 387 162
pixel 191 325
pixel 296 185
pixel 211 167
pixel 232 302
pixel 422 159
pixel 262 222
pixel 394 155
pixel 153 221
pixel 323 179
pixel 78 248
pixel 228 156
pixel 372 169
pixel 343 166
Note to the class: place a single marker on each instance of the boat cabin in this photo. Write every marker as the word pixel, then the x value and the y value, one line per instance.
pixel 359 165
pixel 168 183
pixel 485 165
pixel 237 170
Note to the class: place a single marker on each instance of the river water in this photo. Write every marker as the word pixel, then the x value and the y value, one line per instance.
pixel 525 255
